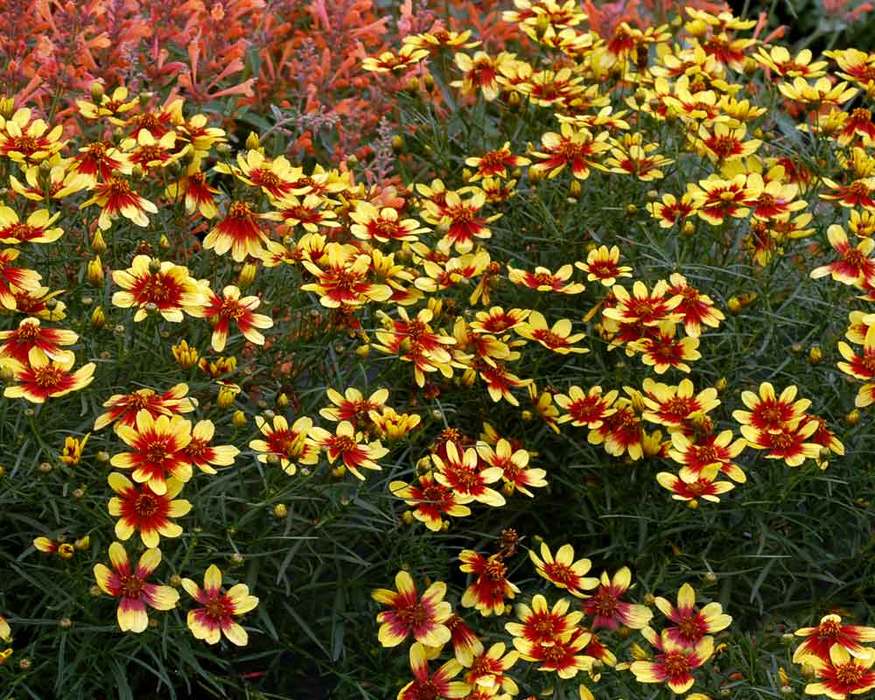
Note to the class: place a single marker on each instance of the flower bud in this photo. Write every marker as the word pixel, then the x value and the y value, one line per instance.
pixel 280 510
pixel 238 420
pixel 185 355
pixel 247 275
pixel 98 245
pixel 815 355
pixel 253 143
pixel 94 272
pixel 227 394
pixel 66 551
pixel 98 317
pixel 83 543
pixel 65 623
pixel 853 417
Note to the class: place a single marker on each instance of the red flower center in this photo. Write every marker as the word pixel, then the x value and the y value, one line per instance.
pixel 146 505
pixel 132 586
pixel 849 674
pixel 48 376
pixel 676 664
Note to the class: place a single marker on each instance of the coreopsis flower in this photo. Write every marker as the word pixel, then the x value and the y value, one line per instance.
pixel 770 412
pixel 490 590
pixel 350 447
pixel 239 232
pixel 480 73
pixel 498 163
pixel 791 442
pixel 28 141
pixel 565 657
pixel 691 491
pixel 290 445
pixel 437 685
pixel 342 278
pixel 842 675
pixel 541 624
pixel 114 104
pixel 674 663
pixel 831 632
pixel 720 143
pixel 855 266
pixel 310 212
pixel 431 500
pixel 585 408
pixel 219 610
pixel 516 473
pixel 36 229
pixel 162 287
pixel 562 571
pixel 96 162
pixel 676 407
pixel 575 147
pixel 43 377
pixel 116 197
pixel 466 645
pixel 772 200
pixel 861 366
pixel 662 349
pixel 603 264
pixel 157 450
pixel 201 453
pixel 462 471
pixel 706 456
pixel 621 432
pixel 779 61
pixel 671 210
pixel 131 586
pixel 220 311
pixel 71 453
pixel 697 309
pixel 460 219
pixel 14 280
pixel 542 280
pixel 18 343
pixel 498 320
pixel 393 426
pixel 691 624
pixel 352 406
pixel 410 615
pixel 716 199
pixel 275 176
pixel 856 66
pixel 388 62
pixel 149 152
pixel 858 193
pixel 821 92
pixel 642 306
pixel 488 670
pixel 382 225
pixel 557 337
pixel 124 408
pixel 414 340
pixel 140 509
pixel 607 608
pixel 194 190
pixel 632 157
pixel 40 302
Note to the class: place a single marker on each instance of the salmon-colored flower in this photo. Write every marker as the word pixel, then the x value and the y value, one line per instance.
pixel 140 509
pixel 411 615
pixel 219 610
pixel 131 586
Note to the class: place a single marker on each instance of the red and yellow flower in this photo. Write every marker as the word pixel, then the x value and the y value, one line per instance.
pixel 563 571
pixel 220 311
pixel 490 590
pixel 607 608
pixel 201 453
pixel 410 615
pixel 431 500
pixel 160 287
pixel 124 408
pixel 219 608
pixel 350 447
pixel 140 509
pixel 157 450
pixel 289 446
pixel 43 377
pixel 690 624
pixel 674 663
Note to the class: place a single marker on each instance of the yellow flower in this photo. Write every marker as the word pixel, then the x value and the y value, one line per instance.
pixel 557 338
pixel 71 453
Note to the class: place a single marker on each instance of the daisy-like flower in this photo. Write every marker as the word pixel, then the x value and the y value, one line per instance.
pixel 352 406
pixel 603 264
pixel 432 686
pixel 541 624
pixel 822 92
pixel 42 377
pixel 467 476
pixel 831 632
pixel 36 229
pixel 466 645
pixel 124 408
pixel 770 412
pixel 26 140
pixel 514 464
pixel 157 450
pixel 662 350
pixel 575 147
pixel 150 153
pixel 488 670
pixel 131 586
pixel 382 225
pixel 792 442
pixel 276 177
pixel 498 320
pixel 162 287
pixel 18 343
pixel 308 212
pixel 691 625
pixel 861 366
pixel 621 432
pixel 201 453
pixel 14 280
pixel 778 60
pixel 720 143
pixel 349 446
pixel 140 509
pixel 431 500
pixel 716 199
pixel 342 277
pixel 562 571
pixel 99 161
pixel 411 615
pixel 542 280
pixel 857 193
pixel 194 190
pixel 220 311
pixel 393 426
pixel 219 610
pixel 116 197
pixel 707 456
pixel 414 340
pixel 676 407
pixel 607 608
pixel 565 657
pixel 388 62
pixel 674 663
pixel 642 306
pixel 460 219
pixel 855 265
pixel 113 104
pixel 239 232
pixel 697 309
pixel 289 445
pixel 497 163
pixel 490 590
pixel 843 675
pixel 480 72
pixel 585 408
pixel 557 337
pixel 691 491
pixel 672 210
